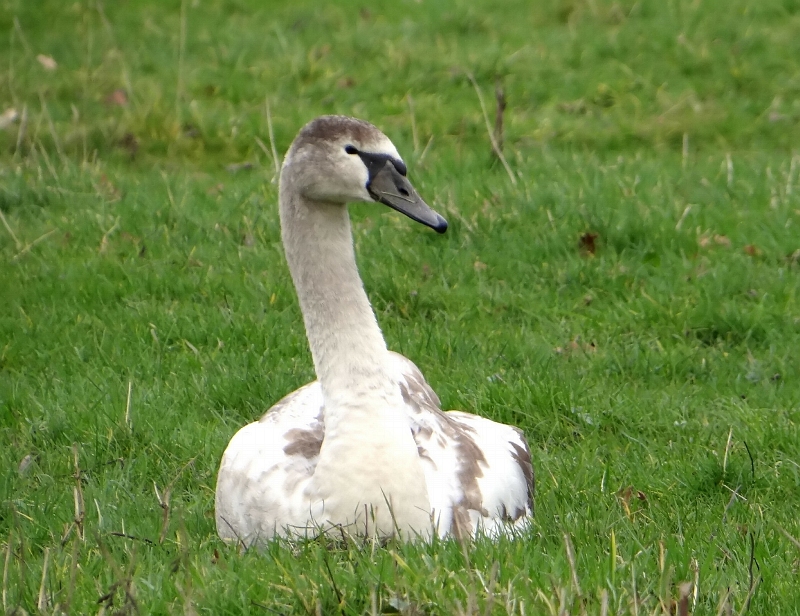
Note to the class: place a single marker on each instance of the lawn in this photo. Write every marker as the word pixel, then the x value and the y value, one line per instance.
pixel 625 289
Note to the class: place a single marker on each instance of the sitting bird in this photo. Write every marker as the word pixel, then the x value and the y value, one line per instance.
pixel 366 448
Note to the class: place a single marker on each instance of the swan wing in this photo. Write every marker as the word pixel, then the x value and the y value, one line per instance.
pixel 478 471
pixel 265 468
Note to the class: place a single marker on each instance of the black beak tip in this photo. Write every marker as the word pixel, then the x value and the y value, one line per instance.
pixel 441 225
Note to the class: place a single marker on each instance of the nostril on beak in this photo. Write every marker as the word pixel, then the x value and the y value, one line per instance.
pixel 402 191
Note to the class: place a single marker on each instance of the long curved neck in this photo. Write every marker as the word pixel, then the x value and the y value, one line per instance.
pixel 349 352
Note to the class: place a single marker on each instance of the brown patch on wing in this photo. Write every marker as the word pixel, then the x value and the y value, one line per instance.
pixel 469 471
pixel 522 456
pixel 513 516
pixel 503 513
pixel 423 453
pixel 419 388
pixel 408 399
pixel 462 524
pixel 306 442
pixel 469 455
pixel 421 398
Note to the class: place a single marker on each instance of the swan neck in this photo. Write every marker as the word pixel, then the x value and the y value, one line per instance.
pixel 349 352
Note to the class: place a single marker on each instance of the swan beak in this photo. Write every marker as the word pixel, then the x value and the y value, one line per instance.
pixel 390 188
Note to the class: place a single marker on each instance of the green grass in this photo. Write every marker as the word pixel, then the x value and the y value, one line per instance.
pixel 655 378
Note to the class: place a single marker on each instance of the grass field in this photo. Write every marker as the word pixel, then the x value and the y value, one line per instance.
pixel 628 294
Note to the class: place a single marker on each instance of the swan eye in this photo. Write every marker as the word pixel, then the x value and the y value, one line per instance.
pixel 350 149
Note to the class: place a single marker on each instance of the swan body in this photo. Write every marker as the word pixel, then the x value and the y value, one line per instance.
pixel 365 449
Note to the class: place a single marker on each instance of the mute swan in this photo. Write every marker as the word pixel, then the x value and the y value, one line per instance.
pixel 366 448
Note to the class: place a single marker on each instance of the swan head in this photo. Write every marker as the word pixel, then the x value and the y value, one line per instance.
pixel 338 160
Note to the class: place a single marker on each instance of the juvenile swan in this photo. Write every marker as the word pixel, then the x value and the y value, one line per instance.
pixel 366 448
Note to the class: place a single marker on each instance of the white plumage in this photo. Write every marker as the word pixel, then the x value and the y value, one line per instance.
pixel 366 449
